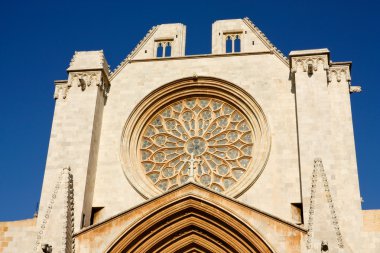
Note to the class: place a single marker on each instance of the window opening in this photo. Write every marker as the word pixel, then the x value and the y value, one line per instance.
pixel 297 213
pixel 237 44
pixel 229 45
pixel 232 42
pixel 160 50
pixel 168 49
pixel 82 223
pixel 94 214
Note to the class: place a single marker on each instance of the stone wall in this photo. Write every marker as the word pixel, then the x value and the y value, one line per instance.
pixel 371 220
pixel 18 236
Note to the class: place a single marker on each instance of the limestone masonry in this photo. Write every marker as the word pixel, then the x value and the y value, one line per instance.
pixel 240 150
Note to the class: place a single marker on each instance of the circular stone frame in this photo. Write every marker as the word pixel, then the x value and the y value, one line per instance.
pixel 184 88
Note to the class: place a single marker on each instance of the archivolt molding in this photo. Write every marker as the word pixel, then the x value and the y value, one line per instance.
pixel 185 88
pixel 189 223
pixel 316 62
pixel 339 73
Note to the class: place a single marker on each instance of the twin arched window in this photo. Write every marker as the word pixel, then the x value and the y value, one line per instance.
pixel 163 49
pixel 233 43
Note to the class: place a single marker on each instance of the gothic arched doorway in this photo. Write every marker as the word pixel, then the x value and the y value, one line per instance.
pixel 189 224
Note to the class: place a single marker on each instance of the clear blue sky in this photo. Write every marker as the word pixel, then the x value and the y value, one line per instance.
pixel 38 39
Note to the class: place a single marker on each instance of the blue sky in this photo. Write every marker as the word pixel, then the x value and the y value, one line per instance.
pixel 38 39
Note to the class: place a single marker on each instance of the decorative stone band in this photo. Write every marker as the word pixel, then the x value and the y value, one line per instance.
pixel 320 172
pixel 82 80
pixel 68 241
pixel 314 62
pixel 339 72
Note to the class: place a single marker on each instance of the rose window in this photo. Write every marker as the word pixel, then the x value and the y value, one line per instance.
pixel 199 139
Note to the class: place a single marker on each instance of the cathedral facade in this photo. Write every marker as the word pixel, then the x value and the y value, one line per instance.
pixel 240 150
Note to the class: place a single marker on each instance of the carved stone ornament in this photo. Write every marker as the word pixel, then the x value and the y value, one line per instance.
pixel 64 184
pixel 212 133
pixel 61 89
pixel 355 89
pixel 172 227
pixel 90 78
pixel 310 63
pixel 218 135
pixel 85 79
pixel 339 73
pixel 319 172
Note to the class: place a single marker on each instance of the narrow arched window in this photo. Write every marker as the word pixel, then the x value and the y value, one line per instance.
pixel 160 50
pixel 228 44
pixel 237 44
pixel 168 49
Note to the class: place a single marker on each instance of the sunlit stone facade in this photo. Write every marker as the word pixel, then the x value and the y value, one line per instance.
pixel 240 150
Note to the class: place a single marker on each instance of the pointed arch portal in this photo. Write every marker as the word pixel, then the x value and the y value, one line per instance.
pixel 189 225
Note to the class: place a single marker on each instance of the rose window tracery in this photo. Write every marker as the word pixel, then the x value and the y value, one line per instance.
pixel 202 139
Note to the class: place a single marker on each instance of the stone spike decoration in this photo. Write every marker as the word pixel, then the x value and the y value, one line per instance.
pixel 319 171
pixel 68 241
pixel 132 53
pixel 265 38
pixel 65 177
